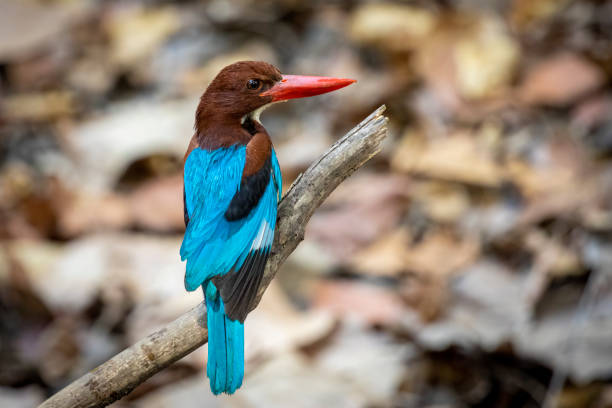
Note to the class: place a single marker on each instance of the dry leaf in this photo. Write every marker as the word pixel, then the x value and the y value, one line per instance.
pixel 485 59
pixel 369 303
pixel 89 212
pixel 559 80
pixel 27 27
pixel 384 257
pixel 157 205
pixel 60 349
pixel 443 202
pixel 457 157
pixel 470 57
pixel 593 111
pixel 277 326
pixel 136 33
pixel 527 12
pixel 104 147
pixel 559 166
pixel 552 257
pixel 442 254
pixel 38 106
pixel 394 26
pixel 359 211
pixel 427 295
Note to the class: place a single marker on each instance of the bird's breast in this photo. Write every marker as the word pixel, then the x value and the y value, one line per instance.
pixel 258 151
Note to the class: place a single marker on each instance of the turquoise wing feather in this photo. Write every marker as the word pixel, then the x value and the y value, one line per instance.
pixel 211 179
pixel 226 257
pixel 214 246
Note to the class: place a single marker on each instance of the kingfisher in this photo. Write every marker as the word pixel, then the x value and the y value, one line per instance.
pixel 231 189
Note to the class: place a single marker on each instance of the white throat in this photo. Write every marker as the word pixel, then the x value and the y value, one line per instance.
pixel 254 116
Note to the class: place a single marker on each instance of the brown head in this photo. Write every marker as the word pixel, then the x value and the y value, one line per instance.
pixel 243 89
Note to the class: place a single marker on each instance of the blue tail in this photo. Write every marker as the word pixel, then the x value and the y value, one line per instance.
pixel 225 367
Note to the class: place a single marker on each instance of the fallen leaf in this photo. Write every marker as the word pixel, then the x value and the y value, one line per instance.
pixel 136 33
pixel 87 213
pixel 367 302
pixel 443 202
pixel 27 27
pixel 291 380
pixel 560 165
pixel 104 147
pixel 485 59
pixel 392 26
pixel 526 13
pixel 93 75
pixel 157 204
pixel 442 254
pixel 38 107
pixel 354 354
pixel 559 80
pixel 385 257
pixel 60 350
pixel 593 111
pixel 457 157
pixel 358 212
pixel 579 396
pixel 276 325
pixel 427 295
pixel 470 57
pixel 552 257
pixel 484 305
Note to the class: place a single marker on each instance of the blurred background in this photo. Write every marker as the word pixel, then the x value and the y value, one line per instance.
pixel 468 265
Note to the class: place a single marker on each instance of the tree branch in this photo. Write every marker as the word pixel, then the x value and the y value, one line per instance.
pixel 121 374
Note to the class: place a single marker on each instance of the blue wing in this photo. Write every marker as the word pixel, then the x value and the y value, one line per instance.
pixel 232 252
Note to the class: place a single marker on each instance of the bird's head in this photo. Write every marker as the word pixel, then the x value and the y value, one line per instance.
pixel 243 89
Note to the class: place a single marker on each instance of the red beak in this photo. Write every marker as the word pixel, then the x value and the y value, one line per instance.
pixel 299 86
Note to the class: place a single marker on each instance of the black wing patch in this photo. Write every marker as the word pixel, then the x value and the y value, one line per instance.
pixel 251 190
pixel 238 288
pixel 185 214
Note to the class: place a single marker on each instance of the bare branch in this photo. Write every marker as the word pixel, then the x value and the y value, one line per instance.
pixel 122 373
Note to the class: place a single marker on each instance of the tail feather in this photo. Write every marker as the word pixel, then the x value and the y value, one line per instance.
pixel 225 367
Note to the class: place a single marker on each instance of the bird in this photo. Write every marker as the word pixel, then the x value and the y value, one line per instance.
pixel 231 189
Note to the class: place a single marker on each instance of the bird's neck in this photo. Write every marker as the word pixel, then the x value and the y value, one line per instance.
pixel 213 132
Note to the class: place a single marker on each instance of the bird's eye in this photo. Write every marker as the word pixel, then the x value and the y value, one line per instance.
pixel 253 84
